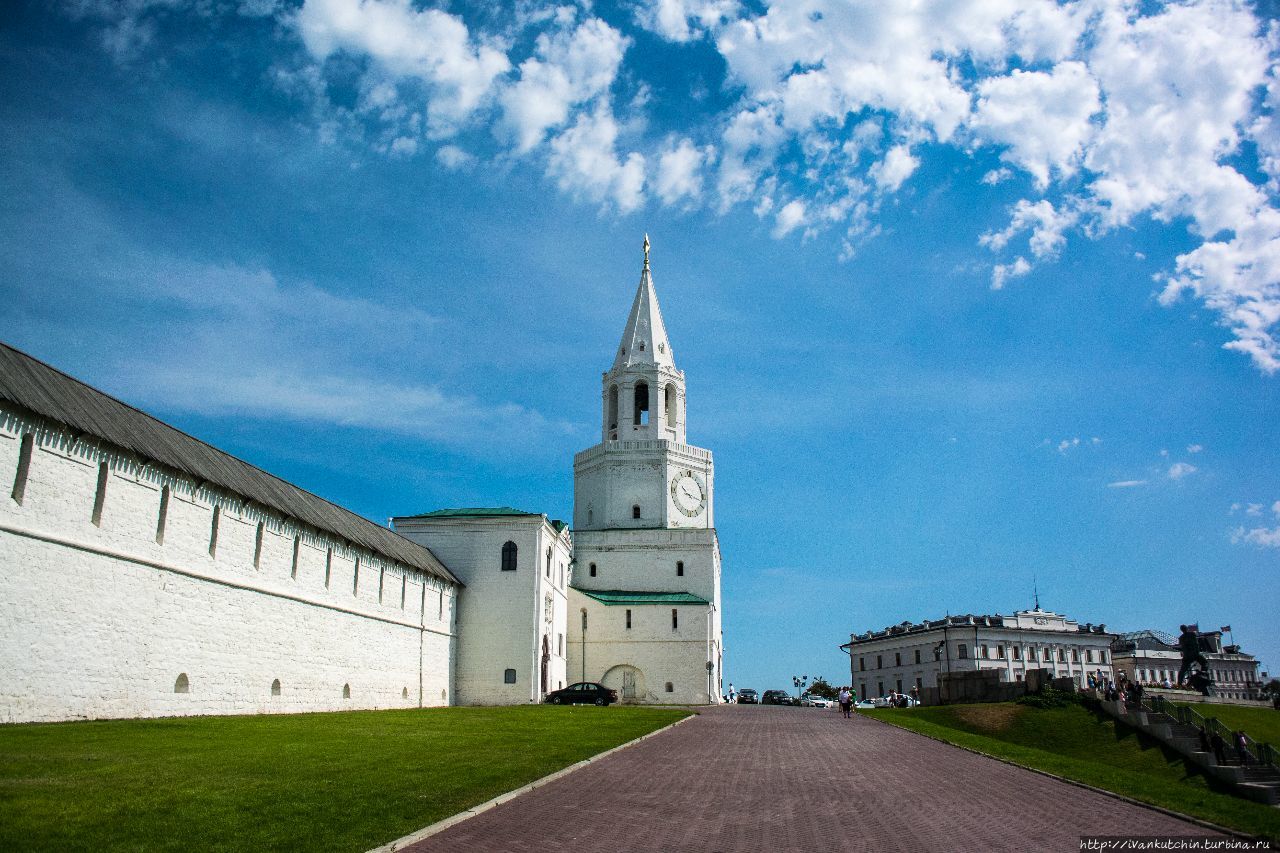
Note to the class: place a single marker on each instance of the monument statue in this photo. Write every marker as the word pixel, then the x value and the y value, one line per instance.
pixel 1192 656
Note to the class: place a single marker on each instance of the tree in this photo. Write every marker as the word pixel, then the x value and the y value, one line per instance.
pixel 1271 690
pixel 821 688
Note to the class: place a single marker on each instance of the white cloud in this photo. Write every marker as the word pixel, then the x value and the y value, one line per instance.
pixel 1045 223
pixel 569 68
pixel 453 158
pixel 1041 117
pixel 428 46
pixel 1195 448
pixel 1068 443
pixel 896 167
pixel 1178 470
pixel 1253 509
pixel 1001 273
pixel 584 162
pixel 1262 537
pixel 683 20
pixel 1120 113
pixel 997 176
pixel 790 217
pixel 1126 484
pixel 680 166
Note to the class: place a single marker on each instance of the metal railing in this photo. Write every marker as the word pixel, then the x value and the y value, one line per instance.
pixel 1259 753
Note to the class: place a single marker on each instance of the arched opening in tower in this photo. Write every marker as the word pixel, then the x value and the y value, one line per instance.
pixel 642 404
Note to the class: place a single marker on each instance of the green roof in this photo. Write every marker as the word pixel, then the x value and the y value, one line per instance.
pixel 475 512
pixel 614 597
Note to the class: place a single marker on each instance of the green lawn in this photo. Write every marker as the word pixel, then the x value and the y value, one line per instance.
pixel 1087 746
pixel 1262 724
pixel 343 781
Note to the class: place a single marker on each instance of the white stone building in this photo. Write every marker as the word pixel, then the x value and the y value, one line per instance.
pixel 645 615
pixel 149 574
pixel 912 655
pixel 1151 657
pixel 516 569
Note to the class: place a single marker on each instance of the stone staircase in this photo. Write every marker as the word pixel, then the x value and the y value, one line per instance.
pixel 1179 729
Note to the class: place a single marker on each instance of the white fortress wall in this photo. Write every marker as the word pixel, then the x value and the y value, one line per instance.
pixel 145 593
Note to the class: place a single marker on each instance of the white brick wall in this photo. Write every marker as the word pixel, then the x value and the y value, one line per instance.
pixel 100 620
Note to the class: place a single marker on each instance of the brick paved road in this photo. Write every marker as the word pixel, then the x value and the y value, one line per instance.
pixel 779 779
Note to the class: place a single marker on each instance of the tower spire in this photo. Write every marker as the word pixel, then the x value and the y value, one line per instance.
pixel 644 341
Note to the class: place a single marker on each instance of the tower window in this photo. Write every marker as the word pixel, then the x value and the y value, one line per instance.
pixel 675 619
pixel 641 404
pixel 257 547
pixel 669 403
pixel 679 568
pixel 163 515
pixel 628 620
pixel 548 562
pixel 635 511
pixel 100 495
pixel 613 407
pixel 182 684
pixel 592 569
pixel 24 467
pixel 509 557
pixel 642 346
pixel 670 687
pixel 213 531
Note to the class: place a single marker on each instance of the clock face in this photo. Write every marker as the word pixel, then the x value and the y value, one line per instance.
pixel 689 493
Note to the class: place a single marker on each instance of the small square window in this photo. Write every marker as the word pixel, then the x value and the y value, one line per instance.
pixel 509 677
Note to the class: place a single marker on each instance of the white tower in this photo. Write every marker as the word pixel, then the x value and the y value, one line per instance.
pixel 646 557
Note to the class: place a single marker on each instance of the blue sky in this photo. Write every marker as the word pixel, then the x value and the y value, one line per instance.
pixel 963 298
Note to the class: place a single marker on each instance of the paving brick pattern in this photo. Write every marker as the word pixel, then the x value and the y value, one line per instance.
pixel 755 778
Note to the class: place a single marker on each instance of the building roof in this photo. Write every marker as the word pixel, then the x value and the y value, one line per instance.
pixel 614 597
pixel 644 341
pixel 49 393
pixel 476 512
pixel 1016 621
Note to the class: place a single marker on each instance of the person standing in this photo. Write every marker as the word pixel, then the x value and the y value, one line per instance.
pixel 846 702
pixel 733 694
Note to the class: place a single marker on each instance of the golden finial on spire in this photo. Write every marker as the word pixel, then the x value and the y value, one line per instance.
pixel 646 251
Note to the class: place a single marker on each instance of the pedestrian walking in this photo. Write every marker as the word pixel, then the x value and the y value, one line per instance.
pixel 846 702
pixel 1219 749
pixel 1242 748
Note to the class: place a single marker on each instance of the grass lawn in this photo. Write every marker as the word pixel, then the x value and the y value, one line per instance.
pixel 344 781
pixel 1262 724
pixel 1087 746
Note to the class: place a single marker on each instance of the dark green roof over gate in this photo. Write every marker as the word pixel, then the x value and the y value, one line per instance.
pixel 614 597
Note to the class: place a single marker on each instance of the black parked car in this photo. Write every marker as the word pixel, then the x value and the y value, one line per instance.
pixel 775 697
pixel 584 692
pixel 747 696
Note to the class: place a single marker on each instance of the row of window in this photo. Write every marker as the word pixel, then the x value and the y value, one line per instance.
pixel 182 684
pixel 640 401
pixel 593 571
pixel 675 620
pixel 985 653
pixel 162 517
pixel 511 559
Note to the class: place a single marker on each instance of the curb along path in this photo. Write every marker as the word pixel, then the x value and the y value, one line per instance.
pixel 763 778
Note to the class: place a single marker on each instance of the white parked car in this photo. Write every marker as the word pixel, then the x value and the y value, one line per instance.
pixel 817 702
pixel 865 704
